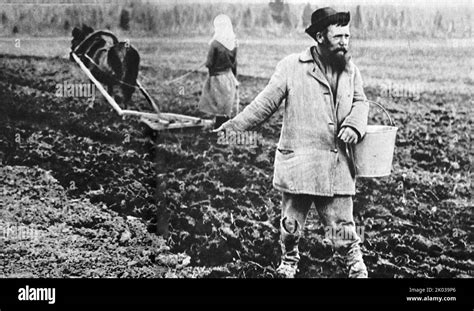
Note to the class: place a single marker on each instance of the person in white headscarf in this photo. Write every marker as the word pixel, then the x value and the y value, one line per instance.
pixel 220 91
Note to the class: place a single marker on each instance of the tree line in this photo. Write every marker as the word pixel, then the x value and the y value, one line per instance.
pixel 275 18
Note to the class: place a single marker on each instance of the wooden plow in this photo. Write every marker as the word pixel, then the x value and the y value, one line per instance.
pixel 156 121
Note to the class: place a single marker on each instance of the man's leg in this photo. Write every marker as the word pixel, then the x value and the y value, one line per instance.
pixel 294 210
pixel 336 215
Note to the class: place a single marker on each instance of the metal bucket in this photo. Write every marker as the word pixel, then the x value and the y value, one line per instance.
pixel 373 155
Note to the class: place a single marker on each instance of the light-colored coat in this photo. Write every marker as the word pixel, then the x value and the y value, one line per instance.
pixel 310 159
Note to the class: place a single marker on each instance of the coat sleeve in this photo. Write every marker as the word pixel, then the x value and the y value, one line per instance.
pixel 357 118
pixel 210 56
pixel 266 103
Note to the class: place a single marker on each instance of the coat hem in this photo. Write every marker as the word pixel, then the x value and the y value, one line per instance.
pixel 323 194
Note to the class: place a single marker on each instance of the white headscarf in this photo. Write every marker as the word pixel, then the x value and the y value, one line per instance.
pixel 224 32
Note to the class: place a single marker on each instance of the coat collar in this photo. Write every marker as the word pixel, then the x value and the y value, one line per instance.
pixel 306 56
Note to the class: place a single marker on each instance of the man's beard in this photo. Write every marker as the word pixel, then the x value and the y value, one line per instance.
pixel 335 59
pixel 338 61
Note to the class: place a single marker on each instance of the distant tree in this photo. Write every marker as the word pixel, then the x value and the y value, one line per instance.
pixel 210 13
pixel 265 18
pixel 247 19
pixel 291 20
pixel 408 21
pixel 286 19
pixel 358 21
pixel 371 23
pixel 150 21
pixel 177 16
pixel 451 28
pixel 195 17
pixel 438 21
pixel 4 18
pixel 93 18
pixel 66 26
pixel 53 20
pixel 468 25
pixel 386 20
pixel 393 20
pixel 402 19
pixel 167 20
pixel 15 29
pixel 100 18
pixel 277 8
pixel 307 12
pixel 377 21
pixel 125 20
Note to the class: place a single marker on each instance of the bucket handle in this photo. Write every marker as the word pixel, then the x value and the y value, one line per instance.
pixel 384 110
pixel 349 148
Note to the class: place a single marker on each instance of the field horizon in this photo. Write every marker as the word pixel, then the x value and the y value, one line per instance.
pixel 440 62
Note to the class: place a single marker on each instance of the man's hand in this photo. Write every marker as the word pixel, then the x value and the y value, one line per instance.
pixel 348 135
pixel 225 126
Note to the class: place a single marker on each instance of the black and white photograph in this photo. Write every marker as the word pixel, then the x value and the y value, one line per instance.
pixel 168 140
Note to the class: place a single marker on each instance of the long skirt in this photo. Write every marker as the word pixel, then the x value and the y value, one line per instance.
pixel 220 95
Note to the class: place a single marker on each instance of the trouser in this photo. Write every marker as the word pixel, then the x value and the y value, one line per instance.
pixel 335 214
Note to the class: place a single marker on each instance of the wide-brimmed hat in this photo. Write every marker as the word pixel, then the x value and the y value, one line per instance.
pixel 321 18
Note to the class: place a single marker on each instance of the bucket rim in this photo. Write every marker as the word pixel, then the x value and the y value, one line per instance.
pixel 375 175
pixel 382 128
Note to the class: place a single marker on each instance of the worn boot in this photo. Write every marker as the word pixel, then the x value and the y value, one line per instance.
pixel 295 209
pixel 287 270
pixel 355 262
pixel 289 238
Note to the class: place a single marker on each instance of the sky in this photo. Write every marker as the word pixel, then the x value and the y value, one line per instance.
pixel 342 2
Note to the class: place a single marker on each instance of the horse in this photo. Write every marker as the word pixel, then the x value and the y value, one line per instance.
pixel 115 64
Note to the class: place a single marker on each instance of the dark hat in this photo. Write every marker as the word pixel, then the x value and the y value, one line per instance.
pixel 321 18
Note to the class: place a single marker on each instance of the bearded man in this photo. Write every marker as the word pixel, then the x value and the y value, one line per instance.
pixel 325 113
